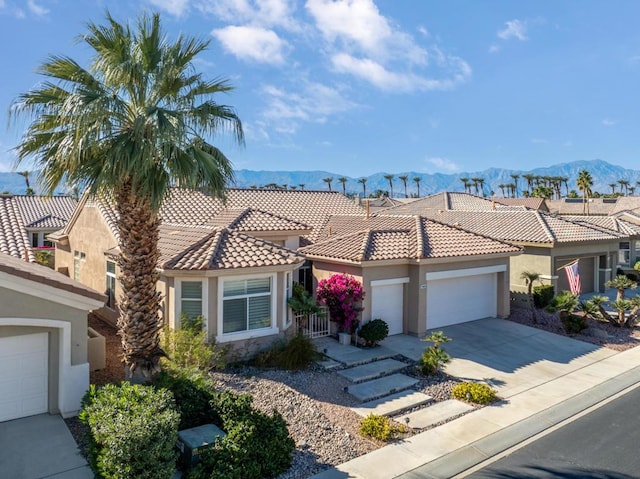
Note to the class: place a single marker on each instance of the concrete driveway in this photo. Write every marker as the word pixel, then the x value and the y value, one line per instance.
pixel 512 357
pixel 39 447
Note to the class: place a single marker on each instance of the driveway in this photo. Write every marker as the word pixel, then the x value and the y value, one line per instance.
pixel 39 447
pixel 510 356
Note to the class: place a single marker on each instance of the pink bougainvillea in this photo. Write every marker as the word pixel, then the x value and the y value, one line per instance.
pixel 342 294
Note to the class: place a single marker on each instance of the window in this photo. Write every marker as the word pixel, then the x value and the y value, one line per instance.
pixel 624 253
pixel 246 305
pixel 34 240
pixel 191 299
pixel 305 277
pixel 288 286
pixel 77 257
pixel 111 284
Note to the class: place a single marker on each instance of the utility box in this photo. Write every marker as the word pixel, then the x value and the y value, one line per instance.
pixel 192 441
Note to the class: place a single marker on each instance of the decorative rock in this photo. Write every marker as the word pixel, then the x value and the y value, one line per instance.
pixel 597 333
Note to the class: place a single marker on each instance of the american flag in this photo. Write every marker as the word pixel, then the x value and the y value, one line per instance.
pixel 574 277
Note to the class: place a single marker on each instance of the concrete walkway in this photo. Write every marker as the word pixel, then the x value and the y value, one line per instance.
pixel 39 447
pixel 543 379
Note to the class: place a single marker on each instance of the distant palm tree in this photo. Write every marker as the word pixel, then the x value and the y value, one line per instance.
pixel 25 174
pixel 632 190
pixel 404 179
pixel 302 185
pixel 363 182
pixel 515 182
pixel 585 182
pixel 293 187
pixel 529 278
pixel 476 184
pixel 328 182
pixel 511 187
pixel 613 188
pixel 417 181
pixel 502 186
pixel 389 178
pixel 481 182
pixel 343 181
pixel 565 180
pixel 465 182
pixel 624 184
pixel 529 177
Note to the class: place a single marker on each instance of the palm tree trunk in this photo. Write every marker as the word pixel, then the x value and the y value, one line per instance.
pixel 139 322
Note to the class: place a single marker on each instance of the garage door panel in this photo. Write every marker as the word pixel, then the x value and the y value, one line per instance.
pixel 387 303
pixel 23 375
pixel 458 300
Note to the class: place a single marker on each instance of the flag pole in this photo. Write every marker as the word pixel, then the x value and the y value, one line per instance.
pixel 568 264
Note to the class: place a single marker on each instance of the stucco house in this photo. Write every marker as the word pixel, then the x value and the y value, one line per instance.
pixel 549 242
pixel 418 273
pixel 26 220
pixel 234 263
pixel 43 340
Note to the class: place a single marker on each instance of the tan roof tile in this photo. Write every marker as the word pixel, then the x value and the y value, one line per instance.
pixel 575 206
pixel 609 223
pixel 14 239
pixel 250 219
pixel 530 203
pixel 444 201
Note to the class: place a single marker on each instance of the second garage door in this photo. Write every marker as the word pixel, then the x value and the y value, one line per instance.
pixel 23 375
pixel 462 299
pixel 387 304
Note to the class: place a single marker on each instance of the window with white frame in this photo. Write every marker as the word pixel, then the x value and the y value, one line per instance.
pixel 288 286
pixel 624 253
pixel 78 256
pixel 111 284
pixel 246 304
pixel 191 299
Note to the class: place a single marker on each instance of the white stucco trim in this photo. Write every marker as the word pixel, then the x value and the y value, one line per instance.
pixel 48 292
pixel 388 282
pixel 73 380
pixel 459 273
pixel 549 277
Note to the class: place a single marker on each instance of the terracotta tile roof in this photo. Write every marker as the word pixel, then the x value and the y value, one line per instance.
pixel 608 223
pixel 14 239
pixel 44 275
pixel 197 248
pixel 306 207
pixel 399 238
pixel 529 226
pixel 249 219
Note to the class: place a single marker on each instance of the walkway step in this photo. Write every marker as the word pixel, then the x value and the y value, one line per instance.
pixel 352 356
pixel 381 387
pixel 373 370
pixel 393 404
pixel 439 412
pixel 328 364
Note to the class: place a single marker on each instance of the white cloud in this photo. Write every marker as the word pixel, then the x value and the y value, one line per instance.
pixel 2 4
pixel 494 48
pixel 252 43
pixel 268 13
pixel 173 7
pixel 385 79
pixel 36 9
pixel 423 31
pixel 514 29
pixel 443 164
pixel 608 122
pixel 314 103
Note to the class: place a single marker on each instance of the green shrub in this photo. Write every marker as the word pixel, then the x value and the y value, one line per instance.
pixel 574 323
pixel 379 427
pixel 193 392
pixel 188 346
pixel 256 445
pixel 297 353
pixel 542 295
pixel 132 431
pixel 474 392
pixel 374 331
pixel 434 357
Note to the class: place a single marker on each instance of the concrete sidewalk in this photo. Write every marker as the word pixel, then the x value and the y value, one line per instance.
pixel 563 389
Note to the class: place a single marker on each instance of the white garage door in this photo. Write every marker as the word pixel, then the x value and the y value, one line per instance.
pixel 458 300
pixel 387 304
pixel 23 375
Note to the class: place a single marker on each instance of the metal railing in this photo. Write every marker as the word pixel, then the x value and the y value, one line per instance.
pixel 314 325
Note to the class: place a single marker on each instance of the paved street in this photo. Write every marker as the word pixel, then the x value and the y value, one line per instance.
pixel 600 445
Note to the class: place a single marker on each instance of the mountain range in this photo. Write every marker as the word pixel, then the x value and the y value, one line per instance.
pixel 602 172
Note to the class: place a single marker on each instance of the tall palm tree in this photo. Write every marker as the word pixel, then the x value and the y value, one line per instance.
pixel 465 182
pixel 515 182
pixel 343 181
pixel 26 175
pixel 404 179
pixel 529 278
pixel 585 182
pixel 389 178
pixel 502 187
pixel 613 188
pixel 481 183
pixel 476 184
pixel 417 181
pixel 529 177
pixel 328 181
pixel 363 182
pixel 128 127
pixel 632 190
pixel 302 185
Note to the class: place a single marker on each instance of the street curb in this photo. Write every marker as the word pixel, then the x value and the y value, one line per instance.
pixel 473 454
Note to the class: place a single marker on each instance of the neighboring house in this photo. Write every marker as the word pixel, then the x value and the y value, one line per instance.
pixel 418 274
pixel 549 242
pixel 596 206
pixel 43 340
pixel 233 263
pixel 529 203
pixel 25 222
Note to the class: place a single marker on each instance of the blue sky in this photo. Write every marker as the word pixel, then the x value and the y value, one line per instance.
pixel 357 87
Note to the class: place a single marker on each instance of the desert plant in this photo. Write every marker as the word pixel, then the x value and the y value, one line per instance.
pixel 434 357
pixel 621 283
pixel 296 353
pixel 374 331
pixel 187 346
pixel 132 431
pixel 474 392
pixel 542 295
pixel 379 427
pixel 565 303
